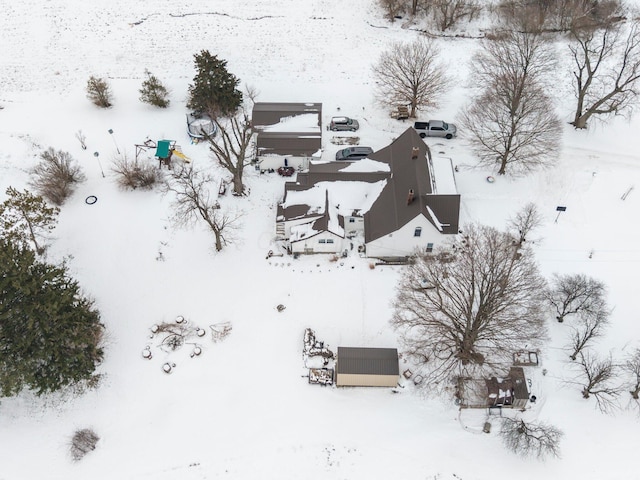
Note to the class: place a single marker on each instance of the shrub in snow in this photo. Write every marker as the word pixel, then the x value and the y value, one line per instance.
pixel 99 92
pixel 154 92
pixel 83 442
pixel 56 175
pixel 133 174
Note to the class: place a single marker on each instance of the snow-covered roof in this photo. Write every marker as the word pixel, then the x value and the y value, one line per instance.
pixel 444 180
pixel 306 122
pixel 344 196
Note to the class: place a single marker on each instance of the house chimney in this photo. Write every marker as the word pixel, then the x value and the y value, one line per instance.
pixel 414 153
pixel 410 197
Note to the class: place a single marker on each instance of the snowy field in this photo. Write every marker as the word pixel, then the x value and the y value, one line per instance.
pixel 242 409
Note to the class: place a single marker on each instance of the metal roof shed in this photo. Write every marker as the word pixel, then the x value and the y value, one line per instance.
pixel 367 367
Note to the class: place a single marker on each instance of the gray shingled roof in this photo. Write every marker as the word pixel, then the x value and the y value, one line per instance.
pixel 289 143
pixel 267 113
pixel 391 211
pixel 368 361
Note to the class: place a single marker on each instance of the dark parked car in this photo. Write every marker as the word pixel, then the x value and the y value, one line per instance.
pixel 353 153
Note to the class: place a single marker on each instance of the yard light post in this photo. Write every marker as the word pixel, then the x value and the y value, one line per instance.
pixel 97 155
pixel 114 140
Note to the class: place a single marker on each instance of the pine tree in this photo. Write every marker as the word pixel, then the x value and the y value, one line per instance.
pixel 99 92
pixel 213 91
pixel 154 92
pixel 50 334
pixel 25 218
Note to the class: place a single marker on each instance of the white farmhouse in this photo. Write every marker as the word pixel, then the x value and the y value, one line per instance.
pixel 397 200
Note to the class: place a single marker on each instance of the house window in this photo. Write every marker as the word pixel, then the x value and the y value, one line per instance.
pixel 329 240
pixel 429 247
pixel 417 232
pixel 322 240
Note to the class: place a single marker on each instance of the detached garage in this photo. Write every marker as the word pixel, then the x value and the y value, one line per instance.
pixel 367 367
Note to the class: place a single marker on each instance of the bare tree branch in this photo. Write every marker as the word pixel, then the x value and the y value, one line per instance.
pixel 447 13
pixel 525 221
pixel 466 310
pixel 511 122
pixel 530 439
pixel 577 293
pixel 232 147
pixel 589 327
pixel 598 376
pixel 193 202
pixel 410 74
pixel 631 367
pixel 606 70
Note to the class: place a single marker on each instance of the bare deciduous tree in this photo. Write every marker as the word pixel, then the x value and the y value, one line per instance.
pixel 589 326
pixel 577 293
pixel 556 15
pixel 598 377
pixel 231 147
pixel 411 74
pixel 193 202
pixel 530 439
pixel 511 121
pixel 465 310
pixel 524 222
pixel 631 367
pixel 606 69
pixel 393 8
pixel 447 13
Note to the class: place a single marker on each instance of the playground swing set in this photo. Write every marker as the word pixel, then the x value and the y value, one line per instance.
pixel 165 150
pixel 199 127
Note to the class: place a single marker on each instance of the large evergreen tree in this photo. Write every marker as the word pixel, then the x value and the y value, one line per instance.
pixel 214 90
pixel 25 218
pixel 50 334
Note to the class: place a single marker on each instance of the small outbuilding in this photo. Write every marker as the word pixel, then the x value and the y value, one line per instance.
pixel 508 392
pixel 367 367
pixel 288 134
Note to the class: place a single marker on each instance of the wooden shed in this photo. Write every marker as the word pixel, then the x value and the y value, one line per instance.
pixel 367 367
pixel 508 392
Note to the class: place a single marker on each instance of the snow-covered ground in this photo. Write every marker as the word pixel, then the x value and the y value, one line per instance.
pixel 242 409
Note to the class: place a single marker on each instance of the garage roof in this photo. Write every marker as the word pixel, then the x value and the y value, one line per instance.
pixel 368 361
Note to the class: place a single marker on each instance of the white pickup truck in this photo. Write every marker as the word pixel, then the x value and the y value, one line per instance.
pixel 435 128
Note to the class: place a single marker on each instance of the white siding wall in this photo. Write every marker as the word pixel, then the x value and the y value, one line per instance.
pixel 355 380
pixel 324 242
pixel 353 225
pixel 403 242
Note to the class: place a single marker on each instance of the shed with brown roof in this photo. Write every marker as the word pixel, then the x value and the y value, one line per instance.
pixel 367 367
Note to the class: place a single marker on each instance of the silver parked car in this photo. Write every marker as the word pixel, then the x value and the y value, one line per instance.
pixel 343 124
pixel 436 128
pixel 353 153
